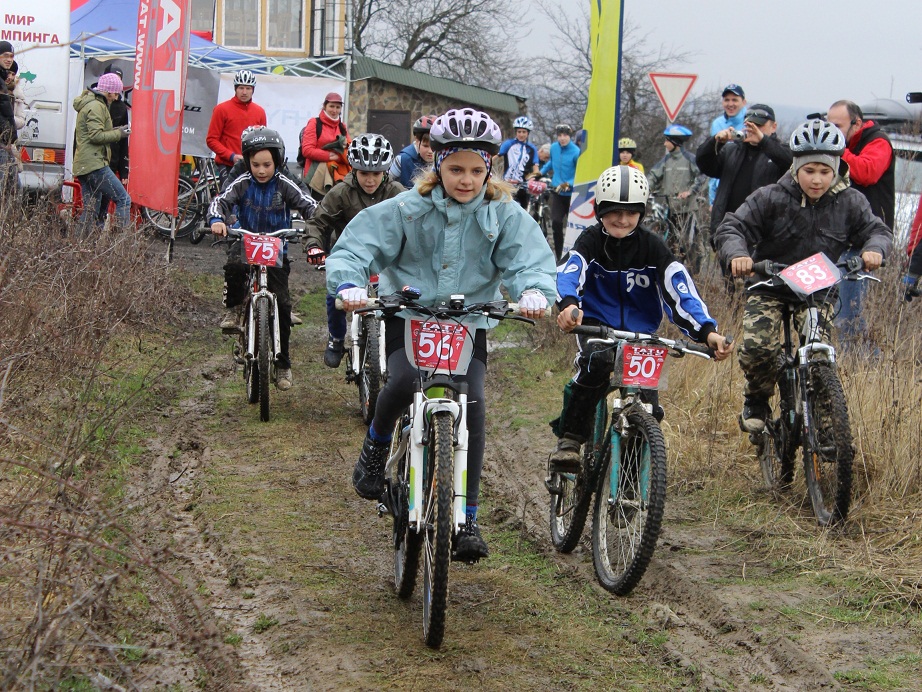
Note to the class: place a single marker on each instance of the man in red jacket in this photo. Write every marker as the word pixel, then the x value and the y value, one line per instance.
pixel 230 118
pixel 871 162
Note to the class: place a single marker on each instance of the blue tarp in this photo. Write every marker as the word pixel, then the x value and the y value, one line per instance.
pixel 110 27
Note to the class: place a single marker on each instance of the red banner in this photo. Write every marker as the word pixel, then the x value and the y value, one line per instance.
pixel 157 102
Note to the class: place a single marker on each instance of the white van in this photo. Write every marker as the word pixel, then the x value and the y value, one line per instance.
pixel 40 34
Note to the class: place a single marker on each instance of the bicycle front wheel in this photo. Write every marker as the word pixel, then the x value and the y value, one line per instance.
pixel 571 493
pixel 828 452
pixel 263 339
pixel 187 203
pixel 629 504
pixel 250 367
pixel 438 491
pixel 407 540
pixel 369 374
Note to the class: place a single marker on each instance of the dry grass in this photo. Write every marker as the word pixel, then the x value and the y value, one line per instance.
pixel 78 584
pixel 882 541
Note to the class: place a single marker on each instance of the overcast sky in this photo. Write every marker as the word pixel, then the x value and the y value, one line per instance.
pixel 786 52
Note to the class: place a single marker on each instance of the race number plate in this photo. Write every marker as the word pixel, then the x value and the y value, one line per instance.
pixel 811 275
pixel 642 365
pixel 437 345
pixel 264 250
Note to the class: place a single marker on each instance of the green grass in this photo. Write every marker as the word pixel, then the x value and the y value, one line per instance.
pixel 263 623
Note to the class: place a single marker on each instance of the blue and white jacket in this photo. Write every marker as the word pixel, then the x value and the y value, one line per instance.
pixel 627 283
pixel 262 207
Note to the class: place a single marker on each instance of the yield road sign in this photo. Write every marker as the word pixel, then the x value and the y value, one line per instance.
pixel 672 90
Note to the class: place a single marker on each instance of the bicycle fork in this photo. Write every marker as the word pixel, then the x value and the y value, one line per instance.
pixel 263 292
pixel 421 413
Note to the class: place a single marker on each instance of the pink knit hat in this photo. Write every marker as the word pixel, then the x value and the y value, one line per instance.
pixel 109 84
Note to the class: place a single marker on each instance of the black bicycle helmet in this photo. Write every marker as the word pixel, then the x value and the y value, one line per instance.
pixel 370 152
pixel 259 138
pixel 465 128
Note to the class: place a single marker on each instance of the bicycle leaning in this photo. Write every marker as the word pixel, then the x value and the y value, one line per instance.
pixel 680 232
pixel 539 204
pixel 194 194
pixel 624 463
pixel 426 471
pixel 257 345
pixel 810 411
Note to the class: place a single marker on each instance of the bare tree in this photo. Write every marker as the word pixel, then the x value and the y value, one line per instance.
pixel 466 40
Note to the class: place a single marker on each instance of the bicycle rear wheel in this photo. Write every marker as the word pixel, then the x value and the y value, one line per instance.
pixel 438 492
pixel 263 337
pixel 369 374
pixel 629 504
pixel 407 541
pixel 828 453
pixel 187 216
pixel 571 493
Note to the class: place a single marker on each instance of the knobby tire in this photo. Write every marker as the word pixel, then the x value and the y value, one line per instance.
pixel 438 488
pixel 407 541
pixel 777 445
pixel 626 523
pixel 250 368
pixel 369 373
pixel 570 506
pixel 188 211
pixel 263 353
pixel 828 467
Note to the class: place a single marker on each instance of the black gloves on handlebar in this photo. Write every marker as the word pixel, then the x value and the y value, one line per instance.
pixel 913 289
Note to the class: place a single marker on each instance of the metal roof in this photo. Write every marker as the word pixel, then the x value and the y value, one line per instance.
pixel 368 68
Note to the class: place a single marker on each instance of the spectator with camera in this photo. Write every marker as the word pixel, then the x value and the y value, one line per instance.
pixel 743 160
pixel 733 100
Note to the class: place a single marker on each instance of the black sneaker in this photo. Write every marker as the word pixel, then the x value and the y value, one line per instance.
pixel 469 546
pixel 333 356
pixel 368 475
pixel 755 411
pixel 567 457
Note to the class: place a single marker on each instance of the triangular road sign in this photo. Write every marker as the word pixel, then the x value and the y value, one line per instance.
pixel 672 90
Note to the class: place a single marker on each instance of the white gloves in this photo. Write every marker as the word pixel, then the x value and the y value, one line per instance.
pixel 351 296
pixel 532 300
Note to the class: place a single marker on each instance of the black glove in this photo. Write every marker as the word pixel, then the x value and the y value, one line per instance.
pixel 913 290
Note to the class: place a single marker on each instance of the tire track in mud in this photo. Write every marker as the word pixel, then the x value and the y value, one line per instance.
pixel 708 639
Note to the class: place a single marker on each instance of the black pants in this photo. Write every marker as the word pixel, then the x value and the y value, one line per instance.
pixel 397 395
pixel 560 210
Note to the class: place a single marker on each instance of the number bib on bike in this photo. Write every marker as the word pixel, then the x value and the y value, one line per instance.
pixel 263 250
pixel 811 275
pixel 439 347
pixel 640 365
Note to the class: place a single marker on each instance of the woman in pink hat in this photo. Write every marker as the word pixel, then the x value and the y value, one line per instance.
pixel 324 141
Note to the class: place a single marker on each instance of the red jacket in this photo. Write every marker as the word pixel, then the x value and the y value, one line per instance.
pixel 915 231
pixel 869 166
pixel 228 121
pixel 311 144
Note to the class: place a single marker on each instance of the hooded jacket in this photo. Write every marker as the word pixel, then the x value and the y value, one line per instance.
pixel 339 206
pixel 627 283
pixel 406 165
pixel 444 248
pixel 94 133
pixel 871 164
pixel 779 223
pixel 723 162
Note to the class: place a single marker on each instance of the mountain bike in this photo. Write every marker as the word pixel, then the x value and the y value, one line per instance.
pixel 539 205
pixel 426 472
pixel 366 361
pixel 680 231
pixel 810 411
pixel 195 193
pixel 257 346
pixel 624 463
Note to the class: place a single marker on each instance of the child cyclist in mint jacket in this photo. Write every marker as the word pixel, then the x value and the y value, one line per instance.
pixel 457 232
pixel 623 276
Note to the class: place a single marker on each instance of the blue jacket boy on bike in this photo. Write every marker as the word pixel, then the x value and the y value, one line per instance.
pixel 263 198
pixel 623 276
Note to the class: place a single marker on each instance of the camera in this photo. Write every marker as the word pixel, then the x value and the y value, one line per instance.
pixel 739 135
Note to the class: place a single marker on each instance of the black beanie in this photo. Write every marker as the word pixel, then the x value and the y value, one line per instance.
pixel 6 47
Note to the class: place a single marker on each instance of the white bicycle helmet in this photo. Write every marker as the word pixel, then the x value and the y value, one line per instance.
pixel 244 78
pixel 817 136
pixel 467 129
pixel 523 122
pixel 621 187
pixel 370 152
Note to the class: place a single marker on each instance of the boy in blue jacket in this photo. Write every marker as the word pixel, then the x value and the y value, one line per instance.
pixel 623 276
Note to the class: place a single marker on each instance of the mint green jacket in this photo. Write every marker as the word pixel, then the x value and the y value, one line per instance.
pixel 444 248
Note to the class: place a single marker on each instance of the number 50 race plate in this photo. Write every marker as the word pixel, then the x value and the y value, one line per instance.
pixel 642 365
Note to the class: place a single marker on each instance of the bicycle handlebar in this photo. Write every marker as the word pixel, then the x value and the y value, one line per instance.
pixel 608 334
pixel 392 304
pixel 853 267
pixel 292 235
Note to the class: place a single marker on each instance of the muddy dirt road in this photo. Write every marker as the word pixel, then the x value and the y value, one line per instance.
pixel 296 569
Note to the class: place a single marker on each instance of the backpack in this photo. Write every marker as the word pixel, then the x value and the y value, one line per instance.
pixel 300 157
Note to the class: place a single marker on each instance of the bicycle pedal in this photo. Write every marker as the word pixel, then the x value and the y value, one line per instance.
pixel 382 509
